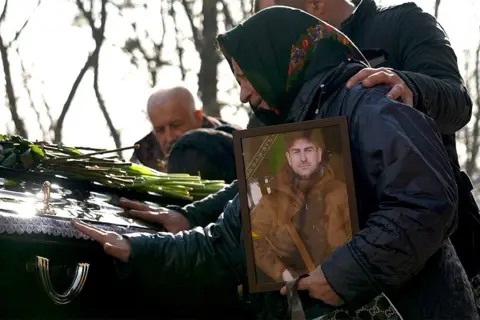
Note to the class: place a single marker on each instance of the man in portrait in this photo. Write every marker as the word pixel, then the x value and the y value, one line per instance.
pixel 304 217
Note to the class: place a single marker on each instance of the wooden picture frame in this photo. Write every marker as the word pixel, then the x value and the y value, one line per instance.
pixel 262 177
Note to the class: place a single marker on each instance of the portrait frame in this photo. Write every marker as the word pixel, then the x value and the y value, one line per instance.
pixel 243 170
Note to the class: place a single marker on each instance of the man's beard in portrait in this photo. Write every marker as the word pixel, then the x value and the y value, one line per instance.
pixel 318 171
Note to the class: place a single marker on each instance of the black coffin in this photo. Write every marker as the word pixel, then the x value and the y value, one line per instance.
pixel 49 270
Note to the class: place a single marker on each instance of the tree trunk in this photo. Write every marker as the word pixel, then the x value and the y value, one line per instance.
pixel 207 77
pixel 12 99
pixel 437 6
pixel 471 164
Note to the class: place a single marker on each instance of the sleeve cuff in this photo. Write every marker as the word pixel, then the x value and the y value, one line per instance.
pixel 417 101
pixel 185 213
pixel 137 243
pixel 348 278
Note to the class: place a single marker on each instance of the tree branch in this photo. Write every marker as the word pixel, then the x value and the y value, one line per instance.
pixel 229 23
pixel 47 106
pixel 436 8
pixel 19 32
pixel 92 57
pixel 25 76
pixel 153 61
pixel 9 88
pixel 465 132
pixel 98 36
pixel 4 11
pixel 197 39
pixel 178 47
pixel 101 103
pixel 472 163
pixel 57 126
pixel 12 100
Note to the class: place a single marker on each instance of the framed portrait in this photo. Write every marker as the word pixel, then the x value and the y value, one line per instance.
pixel 297 197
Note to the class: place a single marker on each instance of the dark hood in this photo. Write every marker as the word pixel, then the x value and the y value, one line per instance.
pixel 281 48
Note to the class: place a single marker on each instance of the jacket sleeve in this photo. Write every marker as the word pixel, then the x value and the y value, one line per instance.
pixel 430 69
pixel 406 171
pixel 203 212
pixel 211 256
pixel 263 226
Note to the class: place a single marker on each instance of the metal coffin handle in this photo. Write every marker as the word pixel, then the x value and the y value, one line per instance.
pixel 43 273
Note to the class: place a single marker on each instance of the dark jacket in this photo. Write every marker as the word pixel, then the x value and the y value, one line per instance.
pixel 406 199
pixel 150 152
pixel 419 52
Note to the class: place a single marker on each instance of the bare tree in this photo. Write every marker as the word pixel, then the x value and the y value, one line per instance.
pixel 143 45
pixel 203 26
pixel 204 40
pixel 9 86
pixel 470 134
pixel 98 36
pixel 26 77
pixel 436 8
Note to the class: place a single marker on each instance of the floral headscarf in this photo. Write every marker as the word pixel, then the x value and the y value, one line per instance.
pixel 281 48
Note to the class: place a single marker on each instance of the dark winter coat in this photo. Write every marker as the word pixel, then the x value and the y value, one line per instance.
pixel 406 198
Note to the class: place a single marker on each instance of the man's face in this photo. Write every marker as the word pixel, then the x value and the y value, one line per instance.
pixel 171 121
pixel 247 92
pixel 304 157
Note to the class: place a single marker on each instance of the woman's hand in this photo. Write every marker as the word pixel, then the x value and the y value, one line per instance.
pixel 172 221
pixel 318 287
pixel 113 244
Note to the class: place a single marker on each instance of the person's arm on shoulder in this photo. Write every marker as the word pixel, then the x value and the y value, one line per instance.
pixel 399 154
pixel 430 69
pixel 203 212
pixel 211 256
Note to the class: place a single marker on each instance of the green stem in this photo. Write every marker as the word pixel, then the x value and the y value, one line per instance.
pixel 88 155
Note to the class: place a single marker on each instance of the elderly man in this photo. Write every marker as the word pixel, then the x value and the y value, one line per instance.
pixel 172 113
pixel 289 239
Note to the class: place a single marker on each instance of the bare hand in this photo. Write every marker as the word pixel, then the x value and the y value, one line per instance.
pixel 370 77
pixel 171 220
pixel 318 287
pixel 113 243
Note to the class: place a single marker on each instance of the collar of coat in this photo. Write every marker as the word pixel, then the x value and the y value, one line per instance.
pixel 315 92
pixel 286 183
pixel 364 9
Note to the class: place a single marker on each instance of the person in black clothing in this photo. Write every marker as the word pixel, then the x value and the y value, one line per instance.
pixel 425 74
pixel 412 54
pixel 205 152
pixel 406 198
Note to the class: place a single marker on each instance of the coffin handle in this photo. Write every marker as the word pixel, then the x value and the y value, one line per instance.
pixel 43 273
